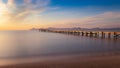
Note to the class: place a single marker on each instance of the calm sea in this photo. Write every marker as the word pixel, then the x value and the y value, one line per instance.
pixel 21 44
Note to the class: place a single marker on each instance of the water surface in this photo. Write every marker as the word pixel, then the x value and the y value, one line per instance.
pixel 21 44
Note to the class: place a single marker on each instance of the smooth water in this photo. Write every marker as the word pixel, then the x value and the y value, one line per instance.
pixel 20 44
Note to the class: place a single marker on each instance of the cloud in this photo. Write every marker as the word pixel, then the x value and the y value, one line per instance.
pixel 13 12
pixel 10 2
pixel 104 20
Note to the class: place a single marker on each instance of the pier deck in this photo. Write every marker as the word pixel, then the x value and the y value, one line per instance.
pixel 102 34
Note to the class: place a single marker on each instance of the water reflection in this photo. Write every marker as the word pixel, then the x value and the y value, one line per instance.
pixel 16 44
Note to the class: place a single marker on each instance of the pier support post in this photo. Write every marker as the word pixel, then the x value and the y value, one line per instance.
pixel 115 34
pixel 103 35
pixel 82 33
pixel 109 35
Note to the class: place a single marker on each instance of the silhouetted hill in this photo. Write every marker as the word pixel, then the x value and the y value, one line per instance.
pixel 64 28
pixel 78 28
pixel 95 29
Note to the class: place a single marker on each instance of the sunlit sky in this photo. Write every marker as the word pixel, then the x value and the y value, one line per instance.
pixel 26 14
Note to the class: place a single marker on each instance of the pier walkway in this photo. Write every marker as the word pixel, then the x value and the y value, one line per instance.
pixel 102 34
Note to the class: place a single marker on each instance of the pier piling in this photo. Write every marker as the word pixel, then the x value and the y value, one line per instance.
pixel 101 34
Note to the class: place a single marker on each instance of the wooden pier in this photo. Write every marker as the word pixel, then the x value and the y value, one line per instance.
pixel 102 34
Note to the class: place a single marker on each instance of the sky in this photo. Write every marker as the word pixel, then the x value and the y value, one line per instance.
pixel 26 14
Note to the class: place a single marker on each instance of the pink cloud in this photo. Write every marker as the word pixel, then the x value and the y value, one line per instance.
pixel 107 19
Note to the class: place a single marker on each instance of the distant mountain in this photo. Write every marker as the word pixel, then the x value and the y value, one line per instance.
pixel 78 28
pixel 106 29
pixel 33 29
pixel 64 28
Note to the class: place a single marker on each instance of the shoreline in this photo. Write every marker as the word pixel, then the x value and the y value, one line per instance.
pixel 75 61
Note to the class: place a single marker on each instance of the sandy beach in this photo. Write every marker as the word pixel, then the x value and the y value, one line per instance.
pixel 72 62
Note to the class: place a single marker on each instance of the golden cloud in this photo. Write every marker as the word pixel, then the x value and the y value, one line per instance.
pixel 12 12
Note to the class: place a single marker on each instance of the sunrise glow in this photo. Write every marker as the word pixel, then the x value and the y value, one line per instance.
pixel 25 14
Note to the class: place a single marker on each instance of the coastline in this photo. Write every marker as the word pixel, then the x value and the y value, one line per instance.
pixel 75 61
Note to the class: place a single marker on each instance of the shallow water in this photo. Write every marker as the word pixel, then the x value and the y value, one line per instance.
pixel 21 44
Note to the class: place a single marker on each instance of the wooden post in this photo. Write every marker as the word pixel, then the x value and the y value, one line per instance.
pixel 109 35
pixel 91 34
pixel 103 35
pixel 115 34
pixel 82 33
pixel 86 33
